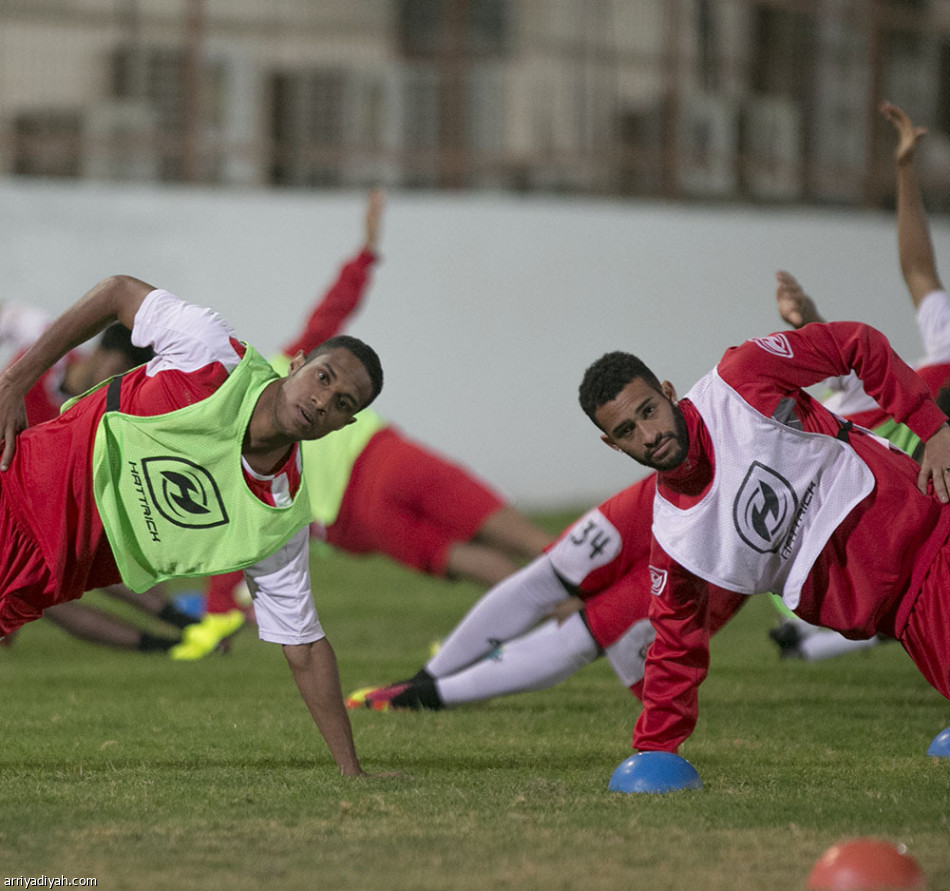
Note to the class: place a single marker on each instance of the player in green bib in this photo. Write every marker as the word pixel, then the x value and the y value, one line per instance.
pixel 185 466
pixel 375 490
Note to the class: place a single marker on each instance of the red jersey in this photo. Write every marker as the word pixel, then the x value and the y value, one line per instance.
pixel 867 576
pixel 48 485
pixel 605 556
pixel 46 396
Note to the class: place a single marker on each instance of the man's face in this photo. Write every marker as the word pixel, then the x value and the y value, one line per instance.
pixel 645 424
pixel 321 396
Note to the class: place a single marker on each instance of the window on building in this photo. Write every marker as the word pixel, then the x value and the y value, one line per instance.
pixel 782 39
pixel 47 143
pixel 186 105
pixel 307 118
pixel 436 27
pixel 451 88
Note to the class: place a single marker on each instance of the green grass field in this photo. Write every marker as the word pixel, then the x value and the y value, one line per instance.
pixel 148 774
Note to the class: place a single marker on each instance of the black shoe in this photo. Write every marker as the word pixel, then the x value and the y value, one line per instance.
pixel 420 693
pixel 788 638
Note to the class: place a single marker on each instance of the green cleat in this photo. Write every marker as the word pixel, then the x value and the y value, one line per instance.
pixel 204 637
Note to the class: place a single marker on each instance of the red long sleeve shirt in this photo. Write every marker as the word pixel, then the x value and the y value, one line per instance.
pixel 868 575
pixel 338 304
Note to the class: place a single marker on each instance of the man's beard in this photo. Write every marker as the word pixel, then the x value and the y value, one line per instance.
pixel 680 437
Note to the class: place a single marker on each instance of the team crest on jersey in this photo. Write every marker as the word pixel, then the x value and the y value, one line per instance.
pixel 776 344
pixel 184 493
pixel 657 581
pixel 764 508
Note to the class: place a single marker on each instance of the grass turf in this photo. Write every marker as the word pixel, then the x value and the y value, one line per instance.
pixel 148 774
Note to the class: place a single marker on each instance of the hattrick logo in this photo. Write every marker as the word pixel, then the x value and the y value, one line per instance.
pixel 184 493
pixel 764 509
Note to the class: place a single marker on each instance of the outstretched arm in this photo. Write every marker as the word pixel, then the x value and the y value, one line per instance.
pixel 918 265
pixel 374 219
pixel 346 293
pixel 315 672
pixel 116 298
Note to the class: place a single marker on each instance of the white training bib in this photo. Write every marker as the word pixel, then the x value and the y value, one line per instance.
pixel 777 497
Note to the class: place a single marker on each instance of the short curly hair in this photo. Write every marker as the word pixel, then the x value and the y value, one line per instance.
pixel 362 351
pixel 606 377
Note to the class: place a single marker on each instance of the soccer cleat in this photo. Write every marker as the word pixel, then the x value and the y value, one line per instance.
pixel 379 699
pixel 357 699
pixel 417 694
pixel 205 637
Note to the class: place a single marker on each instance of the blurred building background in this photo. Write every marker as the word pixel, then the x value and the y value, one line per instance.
pixel 740 101
pixel 564 177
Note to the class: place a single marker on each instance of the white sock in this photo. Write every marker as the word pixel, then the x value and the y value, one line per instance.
pixel 512 607
pixel 627 655
pixel 824 644
pixel 540 659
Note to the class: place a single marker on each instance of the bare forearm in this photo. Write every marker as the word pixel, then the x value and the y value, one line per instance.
pixel 315 672
pixel 918 265
pixel 115 298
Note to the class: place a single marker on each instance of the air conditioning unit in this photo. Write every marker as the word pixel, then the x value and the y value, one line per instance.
pixel 120 141
pixel 708 141
pixel 771 148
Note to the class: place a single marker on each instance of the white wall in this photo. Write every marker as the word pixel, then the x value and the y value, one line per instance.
pixel 486 309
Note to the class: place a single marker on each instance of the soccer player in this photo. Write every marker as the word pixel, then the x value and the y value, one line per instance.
pixel 499 648
pixel 186 466
pixel 761 488
pixel 78 371
pixel 553 651
pixel 375 490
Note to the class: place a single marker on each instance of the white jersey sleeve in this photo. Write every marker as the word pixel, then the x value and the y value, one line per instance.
pixel 185 337
pixel 845 395
pixel 933 322
pixel 283 603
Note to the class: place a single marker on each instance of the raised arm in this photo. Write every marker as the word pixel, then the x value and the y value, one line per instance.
pixel 918 265
pixel 116 298
pixel 794 306
pixel 375 205
pixel 344 296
